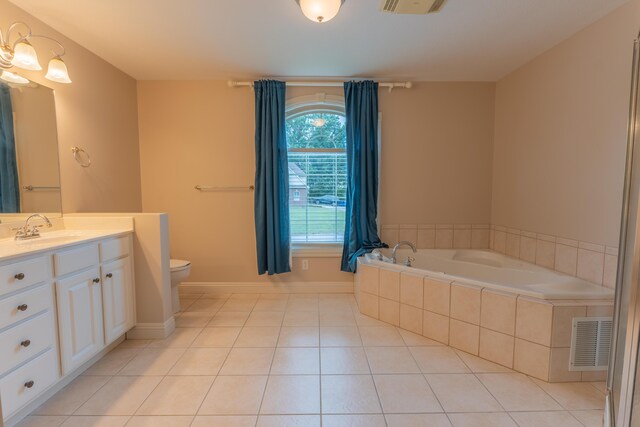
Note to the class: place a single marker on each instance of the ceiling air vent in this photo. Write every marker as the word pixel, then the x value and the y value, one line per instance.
pixel 590 343
pixel 411 7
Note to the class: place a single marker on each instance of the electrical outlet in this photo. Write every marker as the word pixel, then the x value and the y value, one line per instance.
pixel 305 264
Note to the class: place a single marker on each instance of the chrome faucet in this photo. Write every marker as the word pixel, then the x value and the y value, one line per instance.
pixel 28 231
pixel 403 243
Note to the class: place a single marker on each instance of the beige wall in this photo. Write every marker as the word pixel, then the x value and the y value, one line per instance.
pixel 202 133
pixel 560 134
pixel 436 154
pixel 98 112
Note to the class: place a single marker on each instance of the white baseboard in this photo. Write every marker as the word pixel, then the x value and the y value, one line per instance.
pixel 267 287
pixel 152 331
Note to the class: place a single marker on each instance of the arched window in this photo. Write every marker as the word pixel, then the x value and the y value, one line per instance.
pixel 316 140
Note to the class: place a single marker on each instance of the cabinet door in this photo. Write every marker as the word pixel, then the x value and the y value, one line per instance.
pixel 80 318
pixel 117 298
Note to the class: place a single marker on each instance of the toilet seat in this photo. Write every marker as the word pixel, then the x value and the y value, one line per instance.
pixel 178 264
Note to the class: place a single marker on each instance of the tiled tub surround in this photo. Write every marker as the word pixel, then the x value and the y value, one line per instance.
pixel 525 334
pixel 589 261
pixel 592 262
pixel 438 236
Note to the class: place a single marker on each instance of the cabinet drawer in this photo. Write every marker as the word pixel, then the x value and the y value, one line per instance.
pixel 40 373
pixel 114 248
pixel 19 275
pixel 75 259
pixel 25 304
pixel 24 341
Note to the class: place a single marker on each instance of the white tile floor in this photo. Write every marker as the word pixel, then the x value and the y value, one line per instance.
pixel 305 360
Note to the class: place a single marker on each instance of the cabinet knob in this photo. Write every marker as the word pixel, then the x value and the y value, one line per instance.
pixel 109 275
pixel 29 384
pixel 25 343
pixel 23 307
pixel 19 276
pixel 96 280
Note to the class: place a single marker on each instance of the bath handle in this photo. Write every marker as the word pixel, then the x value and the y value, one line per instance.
pixel 408 261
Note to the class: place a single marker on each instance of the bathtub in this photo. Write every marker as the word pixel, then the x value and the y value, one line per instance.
pixel 501 309
pixel 493 271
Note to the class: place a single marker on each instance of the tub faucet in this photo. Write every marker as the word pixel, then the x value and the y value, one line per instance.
pixel 28 231
pixel 402 243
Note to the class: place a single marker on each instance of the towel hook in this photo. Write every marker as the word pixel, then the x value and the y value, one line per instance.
pixel 78 157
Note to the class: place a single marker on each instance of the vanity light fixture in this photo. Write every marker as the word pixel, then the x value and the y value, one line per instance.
pixel 10 77
pixel 21 54
pixel 320 10
pixel 57 71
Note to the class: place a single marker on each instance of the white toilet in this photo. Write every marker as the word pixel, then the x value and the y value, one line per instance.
pixel 180 270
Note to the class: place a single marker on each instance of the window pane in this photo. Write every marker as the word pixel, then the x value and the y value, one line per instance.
pixel 317 130
pixel 317 181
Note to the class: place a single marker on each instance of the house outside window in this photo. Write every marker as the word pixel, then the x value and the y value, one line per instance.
pixel 316 140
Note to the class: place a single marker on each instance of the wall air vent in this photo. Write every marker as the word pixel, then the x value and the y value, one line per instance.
pixel 590 343
pixel 411 7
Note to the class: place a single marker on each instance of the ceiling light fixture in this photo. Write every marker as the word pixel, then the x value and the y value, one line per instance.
pixel 319 122
pixel 320 10
pixel 21 54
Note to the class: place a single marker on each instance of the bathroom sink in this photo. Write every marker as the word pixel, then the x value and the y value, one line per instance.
pixel 57 237
pixel 51 238
pixel 48 240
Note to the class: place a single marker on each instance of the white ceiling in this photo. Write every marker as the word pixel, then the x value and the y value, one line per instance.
pixel 469 40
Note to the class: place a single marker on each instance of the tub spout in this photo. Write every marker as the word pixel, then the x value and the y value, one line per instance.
pixel 400 244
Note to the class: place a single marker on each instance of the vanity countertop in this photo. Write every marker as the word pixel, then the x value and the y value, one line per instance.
pixel 53 240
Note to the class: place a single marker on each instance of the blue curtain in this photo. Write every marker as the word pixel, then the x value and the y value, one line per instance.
pixel 272 179
pixel 9 185
pixel 361 230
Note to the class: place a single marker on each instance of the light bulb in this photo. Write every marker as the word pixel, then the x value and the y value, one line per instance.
pixel 320 10
pixel 10 77
pixel 24 56
pixel 57 71
pixel 319 122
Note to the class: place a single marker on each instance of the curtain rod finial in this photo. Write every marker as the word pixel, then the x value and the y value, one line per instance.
pixel 408 85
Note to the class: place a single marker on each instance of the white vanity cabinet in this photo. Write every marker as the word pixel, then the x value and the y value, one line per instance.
pixel 28 333
pixel 58 310
pixel 118 294
pixel 80 318
pixel 95 305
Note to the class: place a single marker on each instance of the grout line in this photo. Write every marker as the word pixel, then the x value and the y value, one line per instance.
pixel 85 401
pixel 546 392
pixel 273 355
pixel 489 391
pixel 424 376
pixel 574 417
pixel 375 386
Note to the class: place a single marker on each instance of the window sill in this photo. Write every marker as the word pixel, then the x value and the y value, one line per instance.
pixel 316 250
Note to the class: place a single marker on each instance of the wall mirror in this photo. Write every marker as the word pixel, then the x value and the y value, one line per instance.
pixel 29 164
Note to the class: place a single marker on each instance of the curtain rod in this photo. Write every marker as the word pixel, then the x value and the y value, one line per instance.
pixel 390 85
